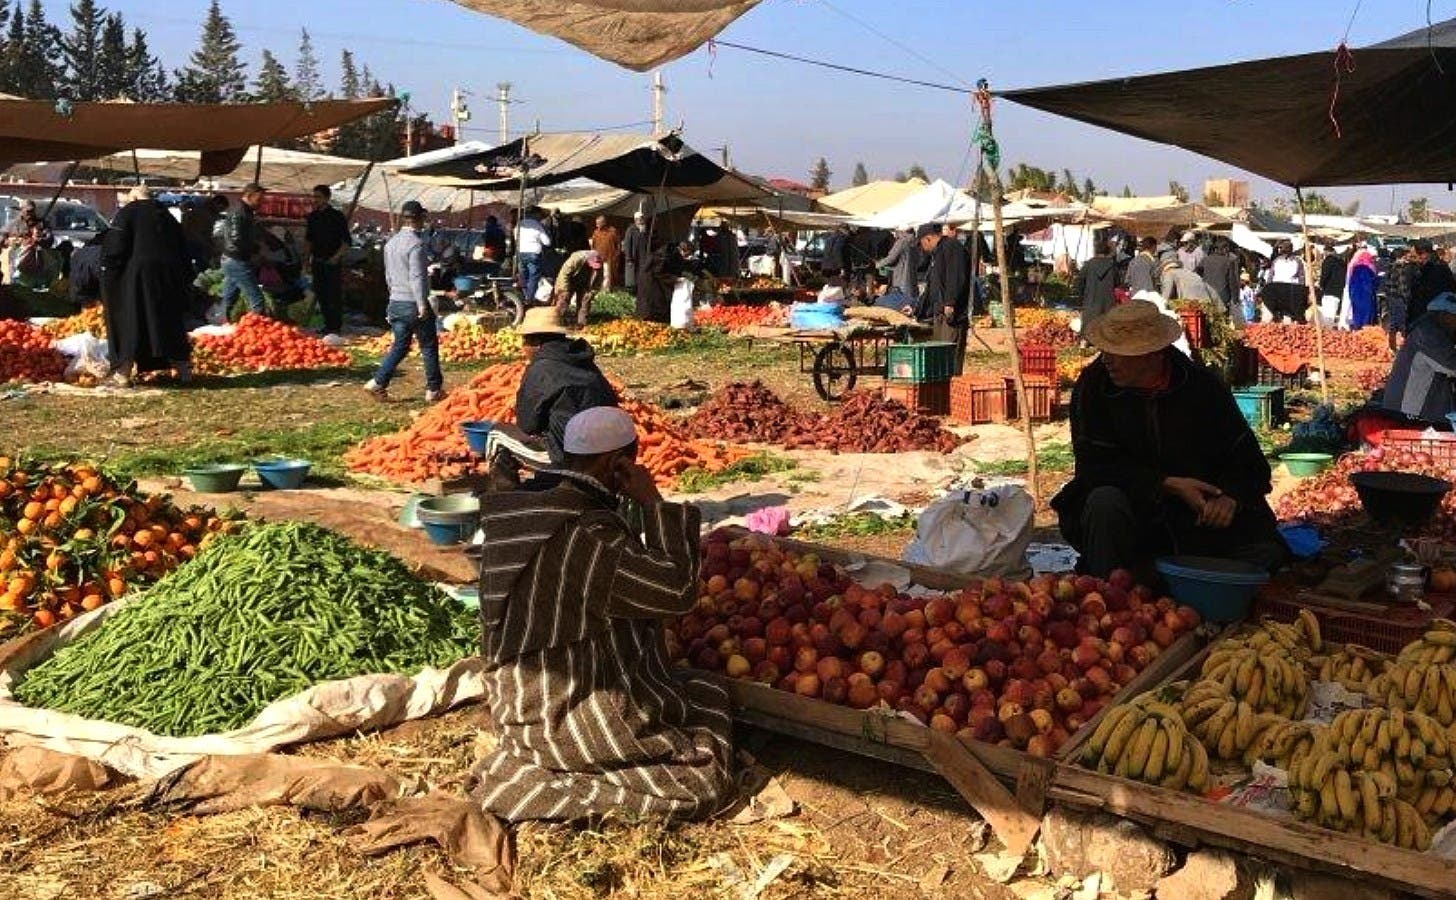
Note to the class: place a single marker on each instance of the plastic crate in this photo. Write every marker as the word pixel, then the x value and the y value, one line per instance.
pixel 1255 369
pixel 1195 326
pixel 1386 632
pixel 929 397
pixel 978 400
pixel 1039 360
pixel 1041 396
pixel 1262 406
pixel 1441 445
pixel 932 361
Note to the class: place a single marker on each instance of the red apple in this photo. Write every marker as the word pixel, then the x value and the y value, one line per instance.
pixel 1085 656
pixel 895 670
pixel 939 611
pixel 1189 617
pixel 893 624
pixel 737 666
pixel 938 680
pixel 956 705
pixel 1163 636
pixel 766 671
pixel 915 655
pixel 1049 661
pixel 829 668
pixel 888 691
pixel 871 663
pixel 956 662
pixel 835 690
pixel 927 698
pixel 1068 699
pixel 1093 605
pixel 995 670
pixel 1039 745
pixel 975 680
pixel 756 649
pixel 806 659
pixel 862 694
pixel 780 657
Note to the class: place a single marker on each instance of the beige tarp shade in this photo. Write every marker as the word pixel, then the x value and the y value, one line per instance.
pixel 1153 222
pixel 288 170
pixel 35 131
pixel 637 34
pixel 781 220
pixel 872 198
pixel 1117 206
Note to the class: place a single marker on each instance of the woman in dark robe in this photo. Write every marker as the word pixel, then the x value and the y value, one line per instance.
pixel 144 255
pixel 657 272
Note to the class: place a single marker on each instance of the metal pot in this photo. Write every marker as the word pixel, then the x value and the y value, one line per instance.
pixel 1406 582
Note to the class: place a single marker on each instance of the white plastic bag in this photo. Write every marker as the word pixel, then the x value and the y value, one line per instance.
pixel 975 533
pixel 681 312
pixel 85 355
pixel 762 265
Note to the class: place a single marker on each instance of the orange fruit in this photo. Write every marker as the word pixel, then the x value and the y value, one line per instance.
pixel 52 520
pixel 44 618
pixel 143 539
pixel 25 526
pixel 115 587
pixel 32 510
pixel 68 506
pixel 92 601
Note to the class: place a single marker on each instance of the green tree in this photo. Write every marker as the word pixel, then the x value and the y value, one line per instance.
pixel 1352 209
pixel 1126 191
pixel 81 53
pixel 351 139
pixel 113 59
pixel 271 85
pixel 1317 204
pixel 918 171
pixel 1417 210
pixel 307 82
pixel 1179 191
pixel 39 72
pixel 1024 177
pixel 861 176
pixel 1089 189
pixel 214 73
pixel 901 177
pixel 350 85
pixel 14 30
pixel 819 175
pixel 146 78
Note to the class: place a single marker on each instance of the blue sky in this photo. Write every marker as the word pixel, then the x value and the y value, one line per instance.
pixel 777 117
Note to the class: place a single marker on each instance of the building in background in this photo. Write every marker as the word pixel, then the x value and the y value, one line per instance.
pixel 1226 192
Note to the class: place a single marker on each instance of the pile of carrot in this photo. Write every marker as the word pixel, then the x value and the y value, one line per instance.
pixel 435 447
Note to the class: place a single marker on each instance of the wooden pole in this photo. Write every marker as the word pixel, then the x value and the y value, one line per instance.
pixel 1003 272
pixel 358 191
pixel 1314 308
pixel 60 187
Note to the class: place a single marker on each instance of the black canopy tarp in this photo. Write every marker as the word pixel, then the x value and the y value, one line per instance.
pixel 1396 112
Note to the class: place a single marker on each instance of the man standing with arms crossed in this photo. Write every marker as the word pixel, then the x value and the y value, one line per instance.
pixel 327 238
pixel 410 313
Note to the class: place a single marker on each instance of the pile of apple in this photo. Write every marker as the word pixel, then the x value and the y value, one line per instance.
pixel 1020 664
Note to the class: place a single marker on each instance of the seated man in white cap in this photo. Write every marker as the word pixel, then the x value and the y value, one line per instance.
pixel 1165 462
pixel 578 281
pixel 561 379
pixel 591 717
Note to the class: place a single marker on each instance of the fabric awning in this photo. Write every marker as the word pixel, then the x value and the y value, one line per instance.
pixel 779 219
pixel 47 131
pixel 632 162
pixel 936 202
pixel 872 198
pixel 286 170
pixel 637 34
pixel 1394 113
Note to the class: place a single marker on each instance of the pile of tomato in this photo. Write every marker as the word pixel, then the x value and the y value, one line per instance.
pixel 26 354
pixel 260 344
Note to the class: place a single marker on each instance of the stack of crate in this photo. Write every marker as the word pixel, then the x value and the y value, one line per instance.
pixel 980 399
pixel 919 376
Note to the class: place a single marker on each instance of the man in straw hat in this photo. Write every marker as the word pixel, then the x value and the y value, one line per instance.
pixel 590 715
pixel 1165 462
pixel 561 379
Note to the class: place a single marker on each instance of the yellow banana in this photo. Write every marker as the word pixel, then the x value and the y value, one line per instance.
pixel 1369 801
pixel 1441 638
pixel 1174 745
pixel 1311 626
pixel 1329 803
pixel 1227 745
pixel 1427 800
pixel 1140 747
pixel 1198 773
pixel 1345 795
pixel 1157 756
pixel 1117 740
pixel 1444 801
pixel 1109 722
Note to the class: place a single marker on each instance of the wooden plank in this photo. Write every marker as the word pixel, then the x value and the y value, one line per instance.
pixel 1015 826
pixel 850 744
pixel 1032 783
pixel 925 576
pixel 1280 841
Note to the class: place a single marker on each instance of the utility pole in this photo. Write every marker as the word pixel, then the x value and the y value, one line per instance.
pixel 657 91
pixel 503 106
pixel 459 112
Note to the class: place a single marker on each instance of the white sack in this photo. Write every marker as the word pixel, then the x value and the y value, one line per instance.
pixel 975 533
pixel 85 354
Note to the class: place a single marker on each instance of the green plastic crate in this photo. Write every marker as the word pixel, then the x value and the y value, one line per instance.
pixel 920 363
pixel 1262 406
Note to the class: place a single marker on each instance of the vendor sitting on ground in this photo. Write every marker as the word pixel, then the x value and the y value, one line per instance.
pixel 591 717
pixel 1165 463
pixel 1422 382
pixel 561 380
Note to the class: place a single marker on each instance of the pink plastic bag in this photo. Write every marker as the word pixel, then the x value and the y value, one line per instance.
pixel 771 520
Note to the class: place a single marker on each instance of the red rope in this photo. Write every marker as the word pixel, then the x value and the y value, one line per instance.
pixel 1344 64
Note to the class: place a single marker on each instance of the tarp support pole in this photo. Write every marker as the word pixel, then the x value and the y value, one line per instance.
pixel 136 166
pixel 1314 307
pixel 358 191
pixel 521 215
pixel 65 180
pixel 258 167
pixel 976 237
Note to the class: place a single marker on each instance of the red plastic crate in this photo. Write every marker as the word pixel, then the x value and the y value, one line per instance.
pixel 1038 359
pixel 1386 632
pixel 1441 445
pixel 1041 396
pixel 1194 327
pixel 929 397
pixel 978 400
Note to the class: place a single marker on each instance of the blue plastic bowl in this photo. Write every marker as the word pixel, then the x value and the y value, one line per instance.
pixel 476 434
pixel 282 474
pixel 450 519
pixel 447 533
pixel 464 284
pixel 1451 417
pixel 1222 590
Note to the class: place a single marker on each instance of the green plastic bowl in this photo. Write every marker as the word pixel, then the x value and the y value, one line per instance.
pixel 216 478
pixel 1303 465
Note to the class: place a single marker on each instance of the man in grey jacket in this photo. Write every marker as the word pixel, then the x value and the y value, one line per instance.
pixel 411 313
pixel 903 261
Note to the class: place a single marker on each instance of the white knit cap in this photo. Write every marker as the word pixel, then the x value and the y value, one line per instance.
pixel 600 429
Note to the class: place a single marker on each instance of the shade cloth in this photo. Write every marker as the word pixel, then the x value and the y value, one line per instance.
pixel 291 170
pixel 44 130
pixel 872 198
pixel 1392 119
pixel 637 34
pixel 936 202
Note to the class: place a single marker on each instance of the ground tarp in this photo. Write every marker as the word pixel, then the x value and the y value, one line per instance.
pixel 637 34
pixel 1393 118
pixel 45 130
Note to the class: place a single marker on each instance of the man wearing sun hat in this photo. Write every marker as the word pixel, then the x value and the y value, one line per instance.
pixel 561 379
pixel 1165 462
pixel 591 717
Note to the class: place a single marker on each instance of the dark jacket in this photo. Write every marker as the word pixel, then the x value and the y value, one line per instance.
pixel 86 273
pixel 948 283
pixel 146 277
pixel 1332 275
pixel 1130 440
pixel 836 252
pixel 1431 280
pixel 1221 273
pixel 240 232
pixel 561 380
pixel 1095 281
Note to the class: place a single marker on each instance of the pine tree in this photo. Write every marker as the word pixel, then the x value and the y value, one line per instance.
pixel 918 171
pixel 214 74
pixel 351 140
pixel 1178 191
pixel 113 61
pixel 1126 191
pixel 819 175
pixel 350 85
pixel 272 84
pixel 146 79
pixel 39 73
pixel 81 52
pixel 306 80
pixel 7 85
pixel 861 176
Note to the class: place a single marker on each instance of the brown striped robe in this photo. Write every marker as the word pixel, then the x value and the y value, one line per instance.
pixel 589 716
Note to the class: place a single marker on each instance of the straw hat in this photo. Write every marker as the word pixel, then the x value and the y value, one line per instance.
pixel 1134 328
pixel 541 320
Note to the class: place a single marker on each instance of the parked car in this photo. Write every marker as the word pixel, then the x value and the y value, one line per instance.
pixel 69 219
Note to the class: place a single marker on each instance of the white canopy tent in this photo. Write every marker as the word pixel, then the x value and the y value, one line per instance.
pixel 936 202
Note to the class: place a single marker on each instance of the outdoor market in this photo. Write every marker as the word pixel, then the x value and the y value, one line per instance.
pixel 577 514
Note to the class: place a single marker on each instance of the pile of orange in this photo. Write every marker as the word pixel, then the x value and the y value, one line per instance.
pixel 26 354
pixel 261 344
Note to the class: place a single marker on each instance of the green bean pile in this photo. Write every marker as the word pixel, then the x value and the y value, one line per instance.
pixel 257 616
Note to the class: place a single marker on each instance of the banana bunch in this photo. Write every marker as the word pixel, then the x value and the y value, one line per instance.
pixel 1227 727
pixel 1300 638
pixel 1285 744
pixel 1437 646
pixel 1327 794
pixel 1145 740
pixel 1262 677
pixel 1351 666
pixel 1409 748
pixel 1428 688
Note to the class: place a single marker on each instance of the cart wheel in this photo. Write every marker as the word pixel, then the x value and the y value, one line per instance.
pixel 834 372
pixel 506 301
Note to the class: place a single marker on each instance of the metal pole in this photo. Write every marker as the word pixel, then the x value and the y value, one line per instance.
pixel 1319 332
pixel 258 167
pixel 503 104
pixel 521 214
